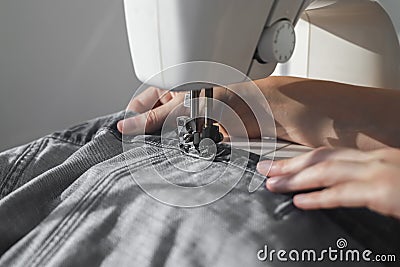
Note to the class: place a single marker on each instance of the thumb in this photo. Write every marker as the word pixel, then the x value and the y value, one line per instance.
pixel 149 121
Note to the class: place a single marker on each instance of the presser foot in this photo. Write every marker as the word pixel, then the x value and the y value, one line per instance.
pixel 203 142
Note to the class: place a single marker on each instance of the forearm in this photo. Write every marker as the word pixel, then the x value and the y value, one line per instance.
pixel 316 113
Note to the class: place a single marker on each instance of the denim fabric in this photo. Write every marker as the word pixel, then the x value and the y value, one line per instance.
pixel 69 199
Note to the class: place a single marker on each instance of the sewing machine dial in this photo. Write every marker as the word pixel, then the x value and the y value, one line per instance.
pixel 277 42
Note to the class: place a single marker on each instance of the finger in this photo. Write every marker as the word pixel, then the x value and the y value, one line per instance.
pixel 150 121
pixel 149 99
pixel 295 165
pixel 351 194
pixel 320 175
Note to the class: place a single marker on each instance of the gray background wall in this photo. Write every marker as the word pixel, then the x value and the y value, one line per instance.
pixel 61 62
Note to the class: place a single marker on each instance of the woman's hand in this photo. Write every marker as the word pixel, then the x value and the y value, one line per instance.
pixel 309 112
pixel 341 178
pixel 155 105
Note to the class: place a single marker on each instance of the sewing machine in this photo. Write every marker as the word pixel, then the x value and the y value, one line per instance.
pixel 340 40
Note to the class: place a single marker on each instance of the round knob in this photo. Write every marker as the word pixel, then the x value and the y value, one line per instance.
pixel 277 42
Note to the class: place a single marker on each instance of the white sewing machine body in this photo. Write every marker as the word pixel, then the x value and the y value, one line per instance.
pixel 352 41
pixel 166 33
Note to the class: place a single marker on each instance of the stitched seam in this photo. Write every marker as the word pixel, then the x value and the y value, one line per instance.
pixel 172 147
pixel 18 158
pixel 59 135
pixel 58 236
pixel 19 168
pixel 16 162
pixel 69 216
pixel 24 154
pixel 32 150
pixel 16 181
pixel 46 250
pixel 71 223
pixel 104 185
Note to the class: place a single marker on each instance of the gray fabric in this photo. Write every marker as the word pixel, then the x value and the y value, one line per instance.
pixel 69 199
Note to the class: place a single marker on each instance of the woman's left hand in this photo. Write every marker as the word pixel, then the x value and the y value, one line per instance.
pixel 341 178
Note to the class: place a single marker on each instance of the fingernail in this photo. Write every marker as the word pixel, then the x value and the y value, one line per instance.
pixel 120 126
pixel 264 166
pixel 273 181
pixel 274 169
